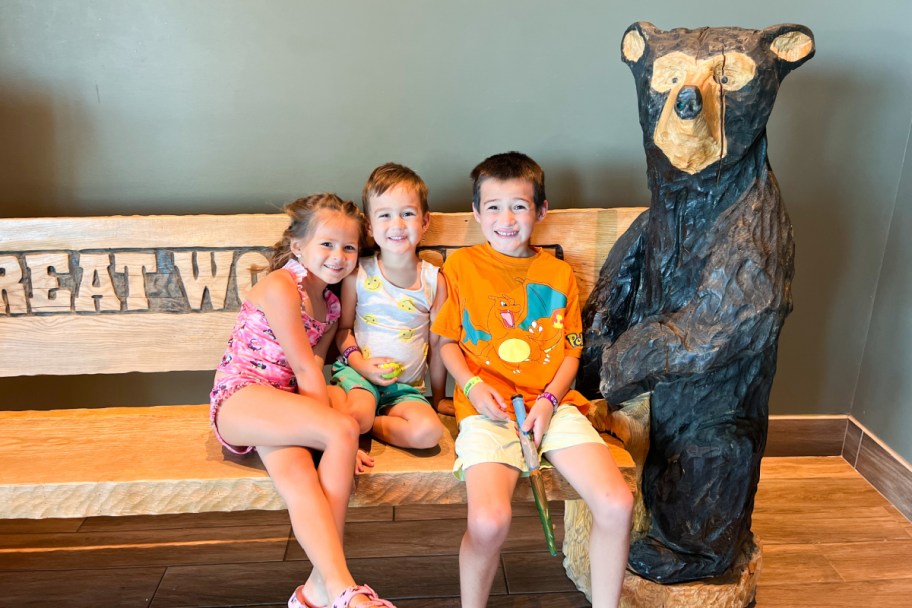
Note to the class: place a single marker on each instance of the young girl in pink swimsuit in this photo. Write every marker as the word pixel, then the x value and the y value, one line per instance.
pixel 270 394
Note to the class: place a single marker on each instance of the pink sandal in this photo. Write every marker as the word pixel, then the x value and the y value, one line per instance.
pixel 299 600
pixel 345 597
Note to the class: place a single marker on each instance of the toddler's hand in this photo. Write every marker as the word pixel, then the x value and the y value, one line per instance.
pixel 538 420
pixel 376 369
pixel 488 401
pixel 362 461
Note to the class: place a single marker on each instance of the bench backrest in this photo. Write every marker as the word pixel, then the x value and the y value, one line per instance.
pixel 160 293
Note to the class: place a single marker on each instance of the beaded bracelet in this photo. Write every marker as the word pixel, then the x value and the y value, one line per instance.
pixel 348 351
pixel 470 383
pixel 550 397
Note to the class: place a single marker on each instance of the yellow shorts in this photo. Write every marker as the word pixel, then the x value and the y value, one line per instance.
pixel 481 439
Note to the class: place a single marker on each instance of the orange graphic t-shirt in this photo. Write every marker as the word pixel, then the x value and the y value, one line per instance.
pixel 515 320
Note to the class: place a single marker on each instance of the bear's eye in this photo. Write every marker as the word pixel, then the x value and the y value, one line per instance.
pixel 733 71
pixel 674 80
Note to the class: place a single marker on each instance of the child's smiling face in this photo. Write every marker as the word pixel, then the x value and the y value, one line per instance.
pixel 507 214
pixel 330 252
pixel 396 220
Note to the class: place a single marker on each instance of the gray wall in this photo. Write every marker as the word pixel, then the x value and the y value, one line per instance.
pixel 223 106
pixel 883 401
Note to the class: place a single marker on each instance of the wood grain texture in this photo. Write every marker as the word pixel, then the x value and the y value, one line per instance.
pixel 786 564
pixel 852 442
pixel 112 588
pixel 870 561
pixel 84 327
pixel 159 460
pixel 874 594
pixel 805 435
pixel 113 343
pixel 140 231
pixel 228 584
pixel 802 574
pixel 542 600
pixel 736 588
pixel 142 548
pixel 808 467
pixel 887 472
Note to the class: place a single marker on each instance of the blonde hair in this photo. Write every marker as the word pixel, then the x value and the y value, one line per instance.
pixel 303 213
pixel 389 176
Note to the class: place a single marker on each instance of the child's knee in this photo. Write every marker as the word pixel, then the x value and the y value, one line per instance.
pixel 342 428
pixel 426 432
pixel 613 507
pixel 490 524
pixel 364 420
pixel 361 406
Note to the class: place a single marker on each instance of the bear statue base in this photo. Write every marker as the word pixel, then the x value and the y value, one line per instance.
pixel 734 589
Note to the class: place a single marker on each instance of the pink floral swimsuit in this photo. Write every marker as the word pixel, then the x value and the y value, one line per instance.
pixel 254 356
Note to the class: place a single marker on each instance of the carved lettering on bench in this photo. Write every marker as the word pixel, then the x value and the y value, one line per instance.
pixel 12 291
pixel 245 273
pixel 202 271
pixel 96 289
pixel 184 281
pixel 46 293
pixel 135 265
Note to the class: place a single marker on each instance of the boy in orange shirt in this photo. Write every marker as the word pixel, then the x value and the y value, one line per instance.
pixel 511 325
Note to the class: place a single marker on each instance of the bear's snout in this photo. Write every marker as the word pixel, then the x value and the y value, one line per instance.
pixel 689 103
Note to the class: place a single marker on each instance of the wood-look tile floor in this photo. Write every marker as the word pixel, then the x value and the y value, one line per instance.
pixel 830 540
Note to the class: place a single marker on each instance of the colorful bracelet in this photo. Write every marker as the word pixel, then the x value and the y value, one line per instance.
pixel 554 402
pixel 470 383
pixel 348 351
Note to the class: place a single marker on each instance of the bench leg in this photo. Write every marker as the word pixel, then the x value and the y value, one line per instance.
pixel 577 527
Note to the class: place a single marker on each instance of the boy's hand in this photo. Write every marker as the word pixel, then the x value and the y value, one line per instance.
pixel 488 401
pixel 538 420
pixel 373 369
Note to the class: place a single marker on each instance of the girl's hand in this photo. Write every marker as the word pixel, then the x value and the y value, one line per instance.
pixel 488 401
pixel 362 461
pixel 538 420
pixel 372 369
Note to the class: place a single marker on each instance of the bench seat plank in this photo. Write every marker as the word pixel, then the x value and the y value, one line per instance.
pixel 158 460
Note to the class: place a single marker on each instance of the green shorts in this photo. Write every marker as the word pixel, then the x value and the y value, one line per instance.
pixel 481 439
pixel 385 396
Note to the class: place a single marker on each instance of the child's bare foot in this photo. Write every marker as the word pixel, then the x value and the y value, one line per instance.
pixel 362 461
pixel 445 406
pixel 307 596
pixel 361 596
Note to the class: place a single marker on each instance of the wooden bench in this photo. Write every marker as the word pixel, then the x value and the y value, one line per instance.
pixel 111 295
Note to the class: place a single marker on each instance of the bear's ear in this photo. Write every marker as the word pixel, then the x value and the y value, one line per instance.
pixel 633 45
pixel 793 45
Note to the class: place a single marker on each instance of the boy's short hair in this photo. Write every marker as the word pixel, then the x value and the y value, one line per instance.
pixel 389 176
pixel 506 166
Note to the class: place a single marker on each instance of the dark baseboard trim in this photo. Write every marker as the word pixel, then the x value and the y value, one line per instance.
pixel 806 435
pixel 843 435
pixel 881 466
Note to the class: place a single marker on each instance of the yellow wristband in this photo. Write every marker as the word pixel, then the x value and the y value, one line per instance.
pixel 471 382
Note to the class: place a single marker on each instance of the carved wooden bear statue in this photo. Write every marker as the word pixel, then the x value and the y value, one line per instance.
pixel 691 300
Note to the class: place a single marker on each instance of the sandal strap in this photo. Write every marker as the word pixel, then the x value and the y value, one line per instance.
pixel 299 600
pixel 374 600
